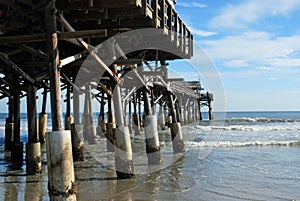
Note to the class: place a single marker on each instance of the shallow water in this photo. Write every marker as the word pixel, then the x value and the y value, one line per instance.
pixel 253 161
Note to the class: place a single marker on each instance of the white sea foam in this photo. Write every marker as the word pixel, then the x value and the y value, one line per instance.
pixel 202 144
pixel 260 119
pixel 284 127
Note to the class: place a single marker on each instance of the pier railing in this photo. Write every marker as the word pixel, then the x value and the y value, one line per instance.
pixel 134 14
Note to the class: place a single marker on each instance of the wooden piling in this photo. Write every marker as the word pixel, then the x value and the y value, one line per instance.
pixel 210 113
pixel 130 116
pixel 76 107
pixel 136 118
pixel 9 125
pixel 43 118
pixel 77 142
pixel 9 134
pixel 77 130
pixel 123 150
pixel 162 117
pixel 42 127
pixel 61 181
pixel 111 126
pixel 89 129
pixel 68 117
pixel 177 139
pixel 101 128
pixel 17 146
pixel 33 147
pixel 151 133
pixel 199 109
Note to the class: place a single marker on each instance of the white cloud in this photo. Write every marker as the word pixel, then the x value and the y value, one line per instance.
pixel 201 32
pixel 270 78
pixel 239 16
pixel 285 62
pixel 236 63
pixel 265 68
pixel 254 47
pixel 191 4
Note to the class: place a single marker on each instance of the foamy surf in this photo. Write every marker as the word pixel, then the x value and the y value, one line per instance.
pixel 215 144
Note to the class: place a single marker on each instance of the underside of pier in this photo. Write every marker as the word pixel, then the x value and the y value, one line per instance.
pixel 113 53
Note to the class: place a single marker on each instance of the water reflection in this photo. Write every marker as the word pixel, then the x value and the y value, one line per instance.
pixel 32 188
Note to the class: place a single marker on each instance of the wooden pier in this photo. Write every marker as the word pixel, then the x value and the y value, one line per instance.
pixel 52 46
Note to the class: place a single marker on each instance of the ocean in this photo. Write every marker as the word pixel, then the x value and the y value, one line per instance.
pixel 247 156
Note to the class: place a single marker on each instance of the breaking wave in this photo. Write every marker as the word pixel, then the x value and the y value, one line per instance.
pixel 203 144
pixel 260 119
pixel 285 127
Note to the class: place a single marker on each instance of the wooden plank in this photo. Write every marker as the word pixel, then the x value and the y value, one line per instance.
pixel 16 69
pixel 37 53
pixel 70 59
pixel 61 36
pixel 87 47
pixel 125 12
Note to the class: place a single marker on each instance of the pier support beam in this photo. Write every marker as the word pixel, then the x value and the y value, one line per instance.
pixel 68 117
pixel 61 180
pixel 17 146
pixel 89 129
pixel 129 115
pixel 136 117
pixel 110 126
pixel 177 139
pixel 123 150
pixel 43 119
pixel 33 147
pixel 101 128
pixel 9 125
pixel 77 142
pixel 77 131
pixel 199 109
pixel 162 117
pixel 151 133
pixel 209 100
pixel 60 164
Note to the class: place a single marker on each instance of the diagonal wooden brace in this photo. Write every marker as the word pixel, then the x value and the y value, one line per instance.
pixel 86 46
pixel 17 69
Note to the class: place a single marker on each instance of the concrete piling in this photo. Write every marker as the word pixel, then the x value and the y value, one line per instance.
pixel 151 133
pixel 60 166
pixel 33 158
pixel 110 126
pixel 77 142
pixel 136 116
pixel 42 127
pixel 177 139
pixel 123 154
pixel 123 150
pixel 43 119
pixel 33 147
pixel 89 129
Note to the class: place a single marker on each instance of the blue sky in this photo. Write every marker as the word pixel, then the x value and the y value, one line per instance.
pixel 255 46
